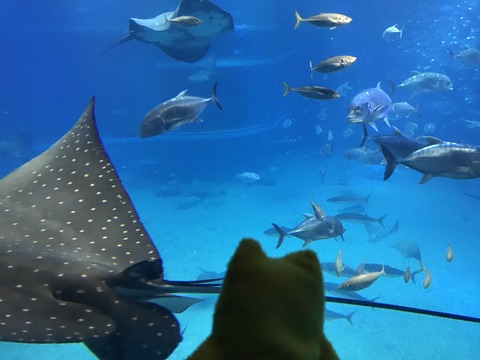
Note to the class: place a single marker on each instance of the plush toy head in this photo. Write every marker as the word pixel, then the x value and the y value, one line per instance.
pixel 269 309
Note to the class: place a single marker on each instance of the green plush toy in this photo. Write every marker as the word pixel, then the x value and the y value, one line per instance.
pixel 269 309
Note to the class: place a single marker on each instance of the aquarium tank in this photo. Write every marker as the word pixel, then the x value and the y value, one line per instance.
pixel 348 128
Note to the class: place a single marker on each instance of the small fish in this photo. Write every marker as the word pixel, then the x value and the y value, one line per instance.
pixel 334 63
pixel 318 227
pixel 404 109
pixel 185 20
pixel 360 218
pixel 173 113
pixel 469 56
pixel 330 20
pixel 368 106
pixel 471 124
pixel 338 263
pixel 406 275
pixel 349 199
pixel 364 155
pixel 449 254
pixel 428 279
pixel 332 315
pixel 362 281
pixel 312 92
pixel 248 177
pixel 327 149
pixel 343 89
pixel 392 33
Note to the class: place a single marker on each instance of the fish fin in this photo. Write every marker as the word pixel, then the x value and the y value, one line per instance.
pixel 391 162
pixel 349 317
pixel 425 178
pixel 307 216
pixel 374 127
pixel 385 119
pixel 287 88
pixel 298 19
pixel 281 234
pixel 176 304
pixel 311 70
pixel 397 132
pixel 452 56
pixel 306 243
pixel 333 27
pixel 181 93
pixel 214 97
pixel 365 135
pixel 380 220
pixel 392 86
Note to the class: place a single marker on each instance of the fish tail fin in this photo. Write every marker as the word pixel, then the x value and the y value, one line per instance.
pixel 392 87
pixel 214 97
pixel 401 31
pixel 127 37
pixel 380 220
pixel 365 134
pixel 281 234
pixel 417 111
pixel 349 317
pixel 391 163
pixel 311 70
pixel 298 19
pixel 287 88
pixel 383 270
pixel 422 268
pixel 452 56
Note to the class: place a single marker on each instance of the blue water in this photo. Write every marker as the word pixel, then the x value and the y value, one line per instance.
pixel 52 62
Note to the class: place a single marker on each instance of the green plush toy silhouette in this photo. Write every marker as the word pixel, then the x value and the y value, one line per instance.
pixel 269 309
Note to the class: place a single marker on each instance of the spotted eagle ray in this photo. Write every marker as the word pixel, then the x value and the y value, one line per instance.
pixel 77 264
pixel 188 44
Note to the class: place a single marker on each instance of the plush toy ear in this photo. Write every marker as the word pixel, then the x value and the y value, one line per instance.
pixel 307 260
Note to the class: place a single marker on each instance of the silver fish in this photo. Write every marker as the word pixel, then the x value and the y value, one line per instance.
pixel 368 106
pixel 184 20
pixel 360 218
pixel 334 63
pixel 447 159
pixel 469 56
pixel 173 113
pixel 362 281
pixel 364 155
pixel 392 33
pixel 333 315
pixel 330 20
pixel 404 109
pixel 312 92
pixel 426 82
pixel 318 227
